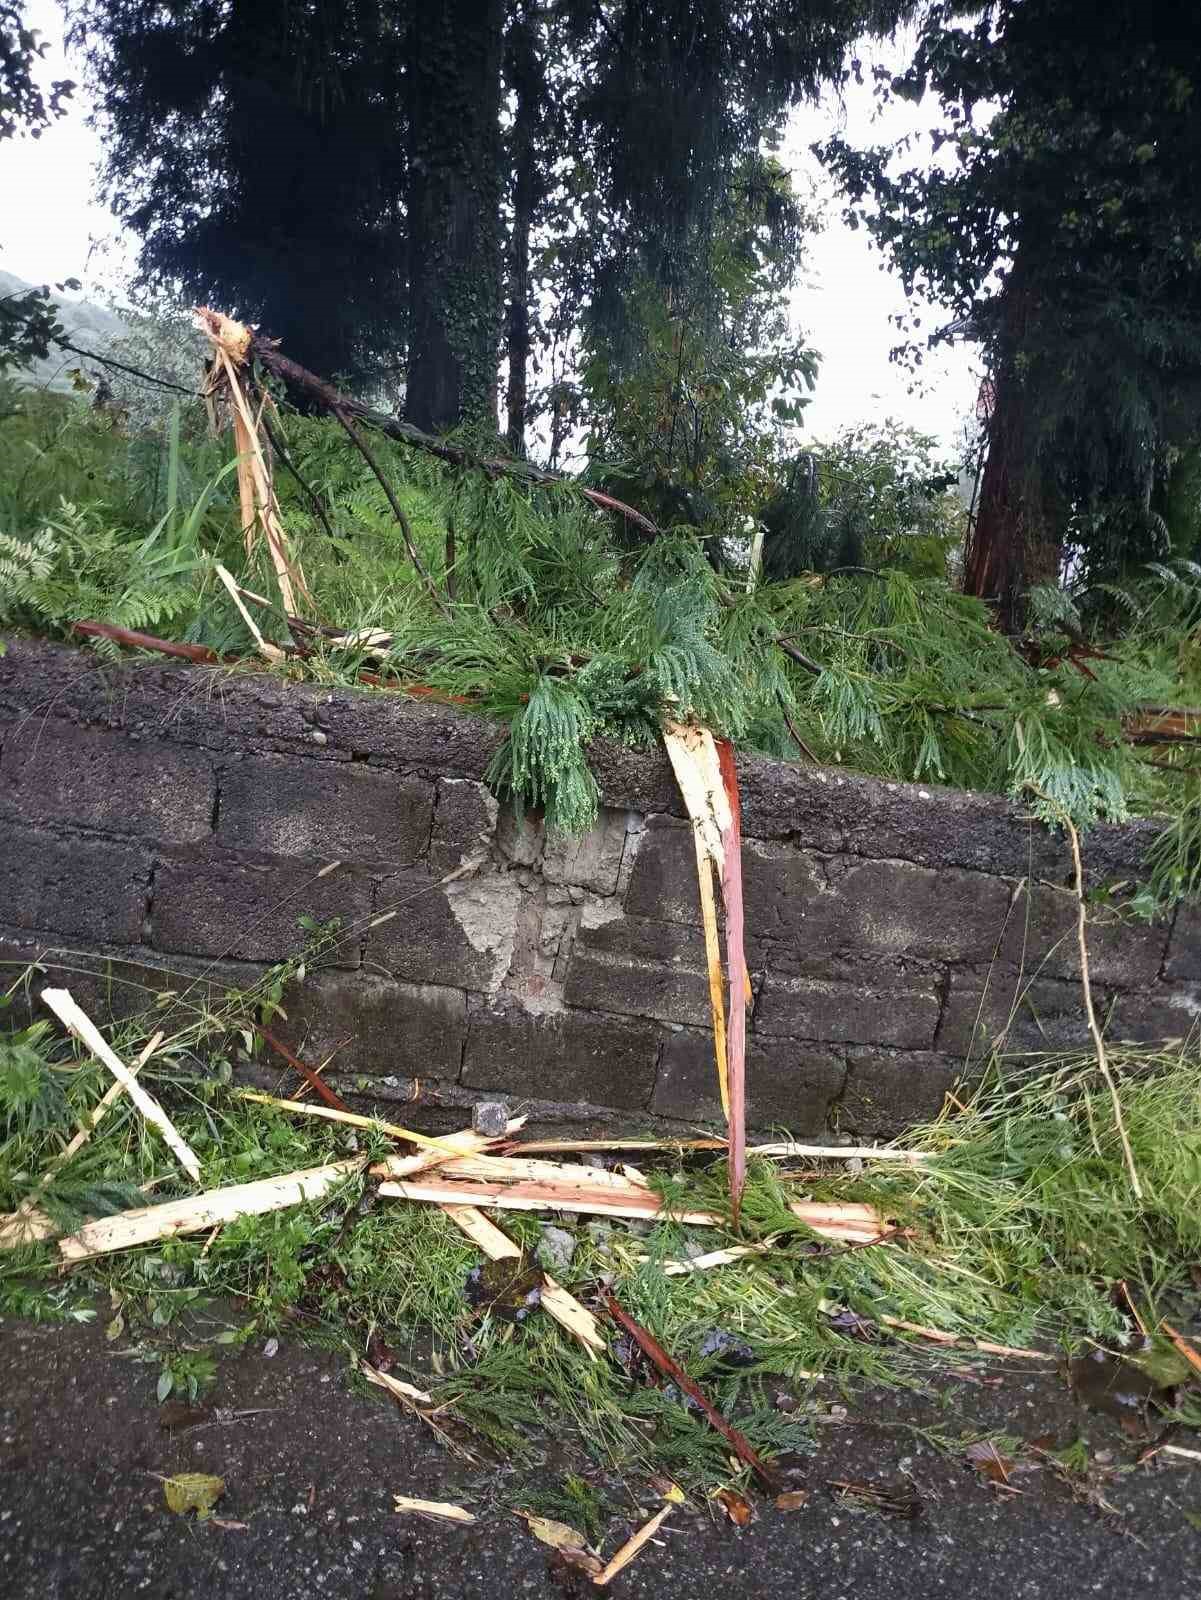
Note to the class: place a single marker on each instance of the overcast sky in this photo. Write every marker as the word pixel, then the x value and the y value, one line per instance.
pixel 54 228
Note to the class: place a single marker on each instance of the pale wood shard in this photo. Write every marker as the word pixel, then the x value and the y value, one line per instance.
pixel 717 1006
pixel 442 1509
pixel 203 1211
pixel 620 1559
pixel 352 1119
pixel 557 1302
pixel 396 1386
pixel 545 1197
pixel 941 1336
pixel 838 1152
pixel 714 1258
pixel 465 1143
pixel 858 1224
pixel 549 1147
pixel 517 1169
pixel 107 1100
pixel 25 1227
pixel 269 652
pixel 82 1026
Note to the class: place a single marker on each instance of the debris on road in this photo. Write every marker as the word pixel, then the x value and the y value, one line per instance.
pixel 442 1510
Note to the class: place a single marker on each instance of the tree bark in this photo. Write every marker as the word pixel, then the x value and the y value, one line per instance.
pixel 455 254
pixel 525 81
pixel 1015 542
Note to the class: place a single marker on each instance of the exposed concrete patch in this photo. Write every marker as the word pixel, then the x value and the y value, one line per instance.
pixel 486 908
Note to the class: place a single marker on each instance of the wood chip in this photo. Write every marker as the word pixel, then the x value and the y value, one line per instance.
pixel 713 1258
pixel 203 1211
pixel 82 1026
pixel 620 1559
pixel 442 1509
pixel 465 1143
pixel 556 1301
pixel 25 1227
pixel 396 1386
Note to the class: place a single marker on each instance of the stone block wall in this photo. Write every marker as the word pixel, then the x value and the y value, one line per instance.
pixel 165 826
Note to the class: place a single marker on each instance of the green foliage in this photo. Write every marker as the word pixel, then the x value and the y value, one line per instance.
pixel 31 1093
pixel 1058 222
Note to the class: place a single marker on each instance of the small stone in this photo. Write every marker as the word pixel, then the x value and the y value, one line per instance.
pixel 490 1118
pixel 555 1248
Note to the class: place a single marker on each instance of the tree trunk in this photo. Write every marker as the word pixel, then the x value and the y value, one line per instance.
pixel 1015 542
pixel 455 256
pixel 525 81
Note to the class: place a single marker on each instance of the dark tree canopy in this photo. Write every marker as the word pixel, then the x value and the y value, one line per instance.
pixel 257 150
pixel 1065 232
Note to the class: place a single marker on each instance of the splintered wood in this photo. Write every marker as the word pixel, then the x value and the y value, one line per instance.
pixel 704 770
pixel 84 1029
pixel 203 1211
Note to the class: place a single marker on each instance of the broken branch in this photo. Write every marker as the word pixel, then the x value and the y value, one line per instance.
pixel 77 1021
pixel 650 1347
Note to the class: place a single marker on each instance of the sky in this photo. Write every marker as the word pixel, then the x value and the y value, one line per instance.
pixel 54 227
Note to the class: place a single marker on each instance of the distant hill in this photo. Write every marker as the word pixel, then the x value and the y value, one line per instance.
pixel 90 326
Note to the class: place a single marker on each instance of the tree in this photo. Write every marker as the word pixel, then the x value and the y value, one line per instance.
pixel 28 321
pixel 685 409
pixel 257 150
pixel 1061 223
pixel 338 171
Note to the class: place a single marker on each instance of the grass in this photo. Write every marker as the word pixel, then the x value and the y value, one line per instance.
pixel 1023 1225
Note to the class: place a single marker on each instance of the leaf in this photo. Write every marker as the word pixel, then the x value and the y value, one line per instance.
pixel 569 1542
pixel 989 1461
pixel 736 1506
pixel 433 1508
pixel 193 1491
pixel 166 1382
pixel 794 1500
pixel 114 1329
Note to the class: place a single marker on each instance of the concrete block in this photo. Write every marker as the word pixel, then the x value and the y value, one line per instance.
pixel 836 1013
pixel 638 968
pixel 91 778
pixel 464 818
pixel 1040 939
pixel 787 1086
pixel 250 912
pixel 566 1056
pixel 347 811
pixel 1183 960
pixel 460 933
pixel 87 888
pixel 376 1026
pixel 888 1091
pixel 995 1009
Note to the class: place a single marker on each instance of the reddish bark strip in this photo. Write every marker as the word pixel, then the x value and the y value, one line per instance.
pixel 731 888
pixel 145 641
pixel 651 1348
pixel 313 1079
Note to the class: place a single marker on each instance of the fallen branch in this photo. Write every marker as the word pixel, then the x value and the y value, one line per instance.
pixel 1087 988
pixel 351 1118
pixel 650 1347
pixel 556 1301
pixel 313 1079
pixel 296 376
pixel 940 1336
pixel 483 1168
pixel 465 1143
pixel 198 653
pixel 1185 1349
pixel 203 1211
pixel 413 1398
pixel 80 1024
pixel 839 1152
pixel 620 1559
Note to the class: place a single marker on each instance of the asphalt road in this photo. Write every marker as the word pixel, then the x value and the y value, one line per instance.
pixel 311 1473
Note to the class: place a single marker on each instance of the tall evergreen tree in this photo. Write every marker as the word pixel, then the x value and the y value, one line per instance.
pixel 1062 225
pixel 257 150
pixel 338 170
